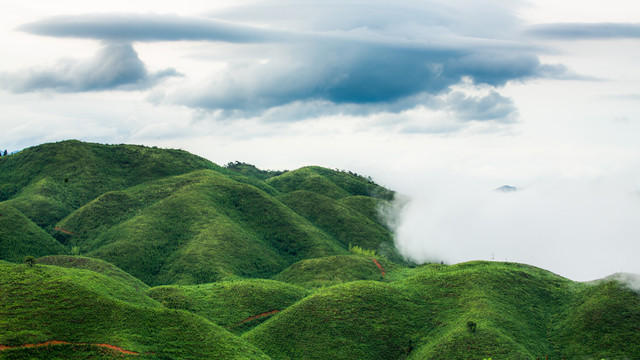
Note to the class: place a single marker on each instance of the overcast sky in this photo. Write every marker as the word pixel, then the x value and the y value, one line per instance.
pixel 443 101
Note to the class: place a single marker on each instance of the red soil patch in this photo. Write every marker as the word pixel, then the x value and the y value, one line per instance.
pixel 379 266
pixel 46 343
pixel 64 231
pixel 58 342
pixel 257 316
pixel 117 348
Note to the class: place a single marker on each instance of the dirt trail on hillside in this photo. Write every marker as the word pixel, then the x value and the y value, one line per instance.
pixel 256 317
pixel 64 231
pixel 58 342
pixel 379 266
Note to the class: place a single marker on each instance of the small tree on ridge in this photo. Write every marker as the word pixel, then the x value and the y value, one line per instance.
pixel 29 260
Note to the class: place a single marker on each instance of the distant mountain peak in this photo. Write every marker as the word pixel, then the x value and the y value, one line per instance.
pixel 507 188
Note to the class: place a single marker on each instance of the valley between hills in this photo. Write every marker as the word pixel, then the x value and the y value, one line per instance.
pixel 125 251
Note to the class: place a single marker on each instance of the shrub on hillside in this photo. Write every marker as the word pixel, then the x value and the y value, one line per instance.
pixel 29 260
pixel 357 250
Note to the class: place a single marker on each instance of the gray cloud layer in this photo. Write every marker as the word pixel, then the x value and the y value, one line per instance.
pixel 569 31
pixel 146 27
pixel 389 58
pixel 115 66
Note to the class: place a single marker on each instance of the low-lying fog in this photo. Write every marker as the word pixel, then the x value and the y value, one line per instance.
pixel 580 230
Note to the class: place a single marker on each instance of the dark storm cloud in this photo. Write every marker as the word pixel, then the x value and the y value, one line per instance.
pixel 115 66
pixel 580 31
pixel 369 76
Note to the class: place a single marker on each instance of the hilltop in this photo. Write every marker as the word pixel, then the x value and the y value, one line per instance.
pixel 160 254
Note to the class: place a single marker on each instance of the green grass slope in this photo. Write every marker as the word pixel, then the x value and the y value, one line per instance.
pixel 169 217
pixel 195 228
pixel 601 320
pixel 97 265
pixel 333 270
pixel 519 312
pixel 251 171
pixel 69 352
pixel 237 305
pixel 512 305
pixel 367 206
pixel 344 224
pixel 330 183
pixel 357 320
pixel 48 181
pixel 19 237
pixel 44 303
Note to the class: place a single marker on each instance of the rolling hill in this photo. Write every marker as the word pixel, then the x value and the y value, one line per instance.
pixel 169 217
pixel 76 306
pixel 160 254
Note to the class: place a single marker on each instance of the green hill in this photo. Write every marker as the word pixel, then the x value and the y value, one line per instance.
pixel 97 265
pixel 330 183
pixel 357 320
pixel 333 270
pixel 20 237
pixel 169 217
pixel 237 305
pixel 516 312
pixel 602 320
pixel 367 206
pixel 47 182
pixel 251 171
pixel 85 307
pixel 342 223
pixel 195 228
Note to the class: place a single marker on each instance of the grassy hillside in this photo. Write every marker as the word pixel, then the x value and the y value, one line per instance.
pixel 333 270
pixel 251 171
pixel 265 255
pixel 515 311
pixel 512 305
pixel 48 181
pixel 330 183
pixel 85 307
pixel 19 237
pixel 345 225
pixel 96 265
pixel 237 305
pixel 195 228
pixel 367 206
pixel 169 217
pixel 603 320
pixel 357 320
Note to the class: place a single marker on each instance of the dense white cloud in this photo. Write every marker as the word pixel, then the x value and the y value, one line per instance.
pixel 582 229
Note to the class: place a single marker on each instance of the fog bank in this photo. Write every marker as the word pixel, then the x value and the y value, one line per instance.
pixel 582 230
